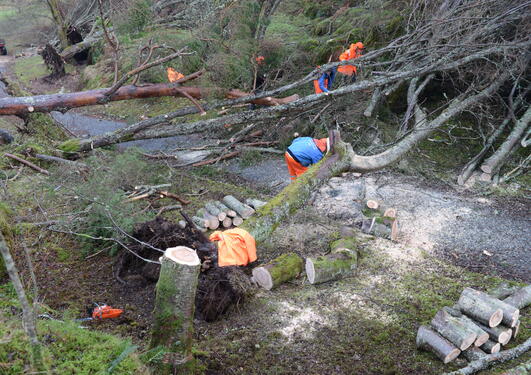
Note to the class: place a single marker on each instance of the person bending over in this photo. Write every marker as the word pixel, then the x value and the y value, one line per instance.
pixel 303 152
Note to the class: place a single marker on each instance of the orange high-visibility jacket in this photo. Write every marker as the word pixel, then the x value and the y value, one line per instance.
pixel 173 75
pixel 353 52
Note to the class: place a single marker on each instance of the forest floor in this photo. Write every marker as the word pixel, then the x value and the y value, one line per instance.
pixel 450 238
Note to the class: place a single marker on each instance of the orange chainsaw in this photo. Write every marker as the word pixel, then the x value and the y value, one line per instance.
pixel 101 312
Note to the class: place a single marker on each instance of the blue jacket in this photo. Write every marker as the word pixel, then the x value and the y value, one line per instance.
pixel 328 75
pixel 305 151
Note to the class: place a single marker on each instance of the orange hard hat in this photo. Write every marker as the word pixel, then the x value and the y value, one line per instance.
pixel 260 59
pixel 360 45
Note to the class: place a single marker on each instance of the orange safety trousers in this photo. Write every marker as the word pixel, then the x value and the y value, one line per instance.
pixel 295 169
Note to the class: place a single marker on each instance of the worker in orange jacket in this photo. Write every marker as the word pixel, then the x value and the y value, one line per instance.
pixel 355 51
pixel 303 152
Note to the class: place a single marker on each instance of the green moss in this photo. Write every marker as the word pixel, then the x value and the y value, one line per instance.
pixel 70 146
pixel 286 267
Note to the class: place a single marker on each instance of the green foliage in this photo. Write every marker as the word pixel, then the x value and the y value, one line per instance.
pixel 138 17
pixel 101 196
pixel 68 348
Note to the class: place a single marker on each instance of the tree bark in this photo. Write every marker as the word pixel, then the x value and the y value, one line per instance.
pixel 453 330
pixel 482 336
pixel 53 61
pixel 28 315
pixel 213 221
pixel 479 306
pixel 494 162
pixel 214 210
pixel 431 341
pixel 491 347
pixel 242 209
pixel 501 334
pixel 486 361
pixel 521 298
pixel 474 353
pixel 510 313
pixel 256 204
pixel 19 106
pixel 284 268
pixel 59 20
pixel 87 43
pixel 225 209
pixel 174 308
pixel 340 263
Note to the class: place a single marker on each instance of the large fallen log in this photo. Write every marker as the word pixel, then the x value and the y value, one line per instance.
pixel 284 268
pixel 479 306
pixel 431 341
pixel 341 262
pixel 20 106
pixel 453 330
pixel 174 308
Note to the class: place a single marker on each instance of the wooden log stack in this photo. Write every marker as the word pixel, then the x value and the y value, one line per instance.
pixel 477 325
pixel 227 213
pixel 380 221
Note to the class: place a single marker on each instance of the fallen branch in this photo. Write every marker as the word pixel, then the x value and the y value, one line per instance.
pixel 490 359
pixel 28 163
pixel 56 159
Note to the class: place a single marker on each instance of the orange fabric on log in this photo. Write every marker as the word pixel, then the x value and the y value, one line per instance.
pixel 236 247
pixel 173 75
pixel 295 168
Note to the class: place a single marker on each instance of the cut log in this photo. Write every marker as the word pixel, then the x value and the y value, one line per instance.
pixel 473 353
pixel 242 209
pixel 390 212
pixel 237 221
pixel 510 313
pixel 431 341
pixel 182 224
pixel 225 209
pixel 521 298
pixel 491 347
pixel 372 204
pixel 213 221
pixel 379 229
pixel 173 314
pixel 340 263
pixel 453 330
pixel 227 222
pixel 500 334
pixel 200 222
pixel 479 306
pixel 482 336
pixel 516 328
pixel 255 203
pixel 284 268
pixel 214 210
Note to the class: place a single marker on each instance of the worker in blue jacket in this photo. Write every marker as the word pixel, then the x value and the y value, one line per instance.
pixel 303 152
pixel 324 83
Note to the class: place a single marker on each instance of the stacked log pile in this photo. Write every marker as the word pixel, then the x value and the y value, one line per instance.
pixel 478 325
pixel 379 221
pixel 227 213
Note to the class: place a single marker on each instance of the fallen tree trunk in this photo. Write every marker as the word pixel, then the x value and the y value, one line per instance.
pixel 284 268
pixel 431 341
pixel 20 106
pixel 174 308
pixel 486 361
pixel 479 306
pixel 453 330
pixel 340 263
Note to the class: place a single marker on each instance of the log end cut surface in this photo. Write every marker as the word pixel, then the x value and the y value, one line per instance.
pixel 310 270
pixel 183 255
pixel 263 278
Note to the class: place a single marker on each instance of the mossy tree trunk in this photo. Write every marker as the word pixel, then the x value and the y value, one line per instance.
pixel 174 309
pixel 284 268
pixel 340 263
pixel 59 20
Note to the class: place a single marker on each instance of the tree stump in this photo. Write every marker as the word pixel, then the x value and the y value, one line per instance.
pixel 453 330
pixel 433 342
pixel 284 268
pixel 479 306
pixel 53 61
pixel 174 307
pixel 242 209
pixel 491 347
pixel 340 263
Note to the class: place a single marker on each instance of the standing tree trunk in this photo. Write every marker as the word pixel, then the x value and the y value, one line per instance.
pixel 174 309
pixel 59 21
pixel 28 316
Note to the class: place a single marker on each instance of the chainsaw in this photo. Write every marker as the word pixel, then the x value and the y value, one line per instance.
pixel 101 312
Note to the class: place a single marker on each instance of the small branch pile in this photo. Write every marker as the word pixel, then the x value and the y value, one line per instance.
pixel 478 325
pixel 227 213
